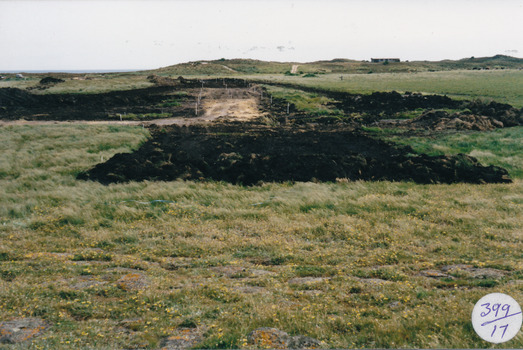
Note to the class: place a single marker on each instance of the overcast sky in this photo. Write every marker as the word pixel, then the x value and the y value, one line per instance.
pixel 121 34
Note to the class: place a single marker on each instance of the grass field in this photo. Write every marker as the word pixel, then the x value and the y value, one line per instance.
pixel 352 264
pixel 499 85
pixel 502 86
pixel 502 147
pixel 97 83
pixel 341 262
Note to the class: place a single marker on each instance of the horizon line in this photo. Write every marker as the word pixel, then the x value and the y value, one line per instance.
pixel 127 70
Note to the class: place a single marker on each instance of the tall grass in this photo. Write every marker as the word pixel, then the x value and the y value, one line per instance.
pixel 70 252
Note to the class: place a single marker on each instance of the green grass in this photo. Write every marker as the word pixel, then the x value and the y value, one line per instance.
pixel 501 147
pixel 70 250
pixel 97 83
pixel 499 85
pixel 502 85
pixel 310 103
pixel 343 66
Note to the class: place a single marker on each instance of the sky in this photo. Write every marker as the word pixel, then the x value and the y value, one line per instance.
pixel 124 34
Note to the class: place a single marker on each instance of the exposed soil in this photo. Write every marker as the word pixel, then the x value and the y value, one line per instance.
pixel 248 154
pixel 209 129
pixel 51 80
pixel 381 108
pixel 235 103
pixel 442 120
pixel 379 104
pixel 16 104
pixel 170 99
pixel 176 98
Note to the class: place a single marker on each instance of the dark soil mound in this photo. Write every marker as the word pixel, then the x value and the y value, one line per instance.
pixel 16 103
pixel 380 104
pixel 51 80
pixel 198 83
pixel 502 112
pixel 441 120
pixel 385 106
pixel 235 154
pixel 170 98
pixel 13 97
pixel 389 103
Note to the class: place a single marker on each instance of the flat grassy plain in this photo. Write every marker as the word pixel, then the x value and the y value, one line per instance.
pixel 499 85
pixel 97 83
pixel 352 264
pixel 226 257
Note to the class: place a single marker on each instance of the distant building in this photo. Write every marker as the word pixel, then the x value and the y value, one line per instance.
pixel 379 60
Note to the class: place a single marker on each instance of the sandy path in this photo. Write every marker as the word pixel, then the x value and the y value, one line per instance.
pixel 294 69
pixel 229 68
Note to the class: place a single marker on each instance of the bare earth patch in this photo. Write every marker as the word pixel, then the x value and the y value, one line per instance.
pixel 236 104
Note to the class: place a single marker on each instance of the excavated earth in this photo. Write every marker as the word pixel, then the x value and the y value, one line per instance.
pixel 17 103
pixel 227 138
pixel 249 154
pixel 169 98
pixel 382 108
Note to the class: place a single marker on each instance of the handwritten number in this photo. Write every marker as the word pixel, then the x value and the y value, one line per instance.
pixel 487 306
pixel 494 331
pixel 495 308
pixel 507 306
pixel 504 330
pixel 505 326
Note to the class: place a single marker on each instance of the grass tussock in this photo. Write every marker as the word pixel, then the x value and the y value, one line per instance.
pixel 125 265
